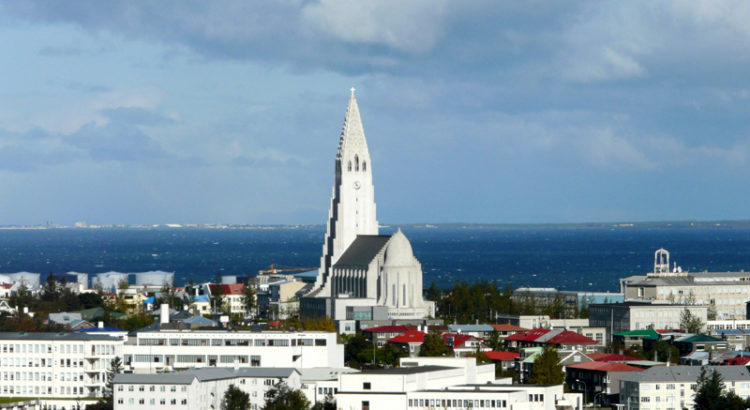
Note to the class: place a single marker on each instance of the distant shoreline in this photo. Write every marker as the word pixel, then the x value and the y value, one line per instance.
pixel 719 224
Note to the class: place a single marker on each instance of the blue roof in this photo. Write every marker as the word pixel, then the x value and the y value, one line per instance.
pixel 150 299
pixel 728 331
pixel 199 320
pixel 100 329
pixel 200 298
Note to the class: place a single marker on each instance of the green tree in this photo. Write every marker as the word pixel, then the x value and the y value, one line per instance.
pixel 235 399
pixel 547 368
pixel 433 293
pixel 708 395
pixel 433 346
pixel 282 397
pixel 353 348
pixel 495 342
pixel 329 403
pixel 90 300
pixel 690 323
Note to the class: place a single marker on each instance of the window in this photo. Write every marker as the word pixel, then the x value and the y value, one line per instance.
pixel 349 166
pixel 366 386
pixel 365 405
pixel 356 163
pixel 364 165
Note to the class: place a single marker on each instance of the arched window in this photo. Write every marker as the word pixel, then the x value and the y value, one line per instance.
pixel 364 165
pixel 349 167
pixel 356 163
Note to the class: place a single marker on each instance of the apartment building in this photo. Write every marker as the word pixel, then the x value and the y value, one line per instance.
pixel 430 383
pixel 623 317
pixel 673 387
pixel 198 388
pixel 171 349
pixel 55 365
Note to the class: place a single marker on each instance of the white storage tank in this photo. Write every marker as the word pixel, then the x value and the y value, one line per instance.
pixel 154 277
pixel 79 278
pixel 31 280
pixel 4 278
pixel 109 281
pixel 229 279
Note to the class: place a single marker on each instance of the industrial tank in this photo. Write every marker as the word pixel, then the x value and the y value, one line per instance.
pixel 109 281
pixel 154 277
pixel 29 279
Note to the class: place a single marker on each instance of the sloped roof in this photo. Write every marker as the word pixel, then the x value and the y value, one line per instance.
pixel 644 333
pixel 412 336
pixel 493 355
pixel 362 251
pixel 458 339
pixel 204 374
pixel 698 339
pixel 507 327
pixel 739 361
pixel 611 357
pixel 228 289
pixel 568 337
pixel 528 336
pixel 556 336
pixel 605 367
pixel 687 374
pixel 471 328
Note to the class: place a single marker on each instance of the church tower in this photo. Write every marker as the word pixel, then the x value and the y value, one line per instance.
pixel 352 210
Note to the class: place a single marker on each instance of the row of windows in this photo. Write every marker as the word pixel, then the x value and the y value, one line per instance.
pixel 49 348
pixel 163 402
pixel 142 387
pixel 356 164
pixel 232 342
pixel 42 390
pixel 445 403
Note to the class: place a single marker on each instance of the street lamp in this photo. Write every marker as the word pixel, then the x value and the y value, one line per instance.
pixel 600 399
pixel 584 391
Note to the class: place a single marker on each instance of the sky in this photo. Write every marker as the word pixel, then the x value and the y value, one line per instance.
pixel 142 112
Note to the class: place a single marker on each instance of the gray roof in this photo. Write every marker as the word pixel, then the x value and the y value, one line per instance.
pixel 53 336
pixel 686 374
pixel 325 373
pixel 408 370
pixel 362 251
pixel 204 374
pixel 65 317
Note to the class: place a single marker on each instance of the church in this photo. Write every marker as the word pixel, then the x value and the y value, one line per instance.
pixel 359 268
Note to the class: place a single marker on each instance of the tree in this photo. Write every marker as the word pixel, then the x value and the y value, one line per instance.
pixel 708 394
pixel 107 402
pixel 547 368
pixel 123 284
pixel 495 342
pixel 433 346
pixel 432 293
pixel 282 397
pixel 329 403
pixel 90 300
pixel 235 399
pixel 690 323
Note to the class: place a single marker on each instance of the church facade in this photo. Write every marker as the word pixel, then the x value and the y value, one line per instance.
pixel 360 268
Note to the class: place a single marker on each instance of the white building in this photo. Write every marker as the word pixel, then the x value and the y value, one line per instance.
pixel 158 350
pixel 198 388
pixel 358 266
pixel 623 317
pixel 725 292
pixel 429 383
pixel 55 365
pixel 665 387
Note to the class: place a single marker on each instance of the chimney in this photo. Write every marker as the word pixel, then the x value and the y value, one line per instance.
pixel 100 325
pixel 164 313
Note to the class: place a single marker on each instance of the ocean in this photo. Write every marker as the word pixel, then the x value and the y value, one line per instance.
pixel 566 258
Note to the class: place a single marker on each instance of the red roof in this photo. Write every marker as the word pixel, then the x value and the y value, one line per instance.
pixel 605 367
pixel 528 336
pixel 568 338
pixel 564 337
pixel 493 355
pixel 739 360
pixel 412 336
pixel 7 285
pixel 232 289
pixel 389 329
pixel 458 339
pixel 507 327
pixel 611 357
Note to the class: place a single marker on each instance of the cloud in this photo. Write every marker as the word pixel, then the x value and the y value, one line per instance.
pixel 413 26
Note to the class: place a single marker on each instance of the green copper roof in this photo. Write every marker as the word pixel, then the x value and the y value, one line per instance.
pixel 644 333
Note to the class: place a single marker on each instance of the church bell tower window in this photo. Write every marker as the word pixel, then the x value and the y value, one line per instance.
pixel 349 167
pixel 356 163
pixel 364 165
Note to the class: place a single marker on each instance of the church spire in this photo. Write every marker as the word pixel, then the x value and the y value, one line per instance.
pixel 353 133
